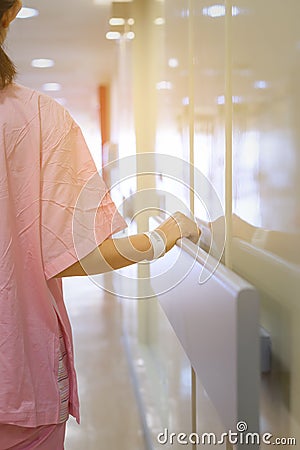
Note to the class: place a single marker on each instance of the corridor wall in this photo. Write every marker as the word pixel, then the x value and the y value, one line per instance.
pixel 224 96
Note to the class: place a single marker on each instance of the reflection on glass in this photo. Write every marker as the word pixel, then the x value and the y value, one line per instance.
pixel 286 245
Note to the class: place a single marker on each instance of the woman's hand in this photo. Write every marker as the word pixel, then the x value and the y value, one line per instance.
pixel 176 227
pixel 114 254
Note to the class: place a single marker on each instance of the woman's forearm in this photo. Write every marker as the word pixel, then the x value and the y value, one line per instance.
pixel 117 253
pixel 110 255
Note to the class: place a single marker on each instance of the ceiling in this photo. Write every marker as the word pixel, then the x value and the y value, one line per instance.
pixel 72 33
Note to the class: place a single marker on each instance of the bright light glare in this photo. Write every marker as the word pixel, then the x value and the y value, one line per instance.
pixel 159 21
pixel 235 99
pixel 164 85
pixel 51 87
pixel 26 13
pixel 130 35
pixel 42 63
pixel 235 11
pixel 130 21
pixel 115 21
pixel 214 11
pixel 111 35
pixel 260 84
pixel 219 11
pixel 185 13
pixel 173 62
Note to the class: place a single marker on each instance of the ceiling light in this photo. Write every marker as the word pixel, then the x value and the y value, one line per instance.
pixel 130 21
pixel 164 85
pixel 173 62
pixel 185 13
pixel 111 35
pixel 51 87
pixel 219 11
pixel 235 11
pixel 159 21
pixel 130 35
pixel 185 101
pixel 26 13
pixel 116 21
pixel 260 84
pixel 42 63
pixel 214 11
pixel 235 99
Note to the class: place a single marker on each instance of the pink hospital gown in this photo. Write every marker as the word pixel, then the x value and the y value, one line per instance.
pixel 55 209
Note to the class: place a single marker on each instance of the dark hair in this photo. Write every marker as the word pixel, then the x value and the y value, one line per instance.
pixel 7 68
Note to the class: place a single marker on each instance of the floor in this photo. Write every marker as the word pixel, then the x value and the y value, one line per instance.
pixel 109 414
pixel 134 379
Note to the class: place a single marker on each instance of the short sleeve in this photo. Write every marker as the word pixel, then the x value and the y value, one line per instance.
pixel 77 212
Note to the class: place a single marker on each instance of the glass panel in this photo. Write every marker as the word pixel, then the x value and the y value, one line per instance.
pixel 266 134
pixel 172 132
pixel 209 147
pixel 160 367
pixel 209 88
pixel 266 188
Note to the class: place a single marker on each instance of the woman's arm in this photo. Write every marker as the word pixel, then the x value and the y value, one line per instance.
pixel 109 256
pixel 117 253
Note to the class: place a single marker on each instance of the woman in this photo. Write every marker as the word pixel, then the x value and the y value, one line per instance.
pixel 45 164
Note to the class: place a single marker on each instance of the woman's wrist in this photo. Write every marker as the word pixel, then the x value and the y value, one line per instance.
pixel 158 243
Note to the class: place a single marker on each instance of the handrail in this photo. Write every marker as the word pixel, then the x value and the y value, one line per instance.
pixel 217 324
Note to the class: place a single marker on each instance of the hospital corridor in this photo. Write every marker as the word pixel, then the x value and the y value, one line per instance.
pixel 189 106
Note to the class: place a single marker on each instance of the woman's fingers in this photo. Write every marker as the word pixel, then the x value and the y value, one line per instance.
pixel 178 226
pixel 188 227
